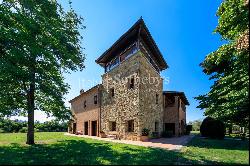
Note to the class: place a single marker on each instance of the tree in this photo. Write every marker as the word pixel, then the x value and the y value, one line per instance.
pixel 228 99
pixel 196 124
pixel 38 42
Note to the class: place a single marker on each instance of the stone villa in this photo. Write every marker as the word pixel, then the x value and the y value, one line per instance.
pixel 131 95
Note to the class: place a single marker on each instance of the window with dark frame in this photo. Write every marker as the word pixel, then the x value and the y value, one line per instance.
pixel 95 99
pixel 112 126
pixel 85 104
pixel 131 126
pixel 131 83
pixel 170 101
pixel 156 126
pixel 157 98
pixel 112 92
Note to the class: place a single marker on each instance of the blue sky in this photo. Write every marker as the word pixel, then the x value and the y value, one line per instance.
pixel 183 31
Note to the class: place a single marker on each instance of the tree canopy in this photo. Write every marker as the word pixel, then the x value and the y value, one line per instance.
pixel 228 98
pixel 39 41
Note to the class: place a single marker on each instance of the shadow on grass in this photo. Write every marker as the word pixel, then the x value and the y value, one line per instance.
pixel 200 142
pixel 82 153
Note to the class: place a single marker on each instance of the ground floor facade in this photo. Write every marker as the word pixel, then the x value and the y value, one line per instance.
pixel 125 119
pixel 123 128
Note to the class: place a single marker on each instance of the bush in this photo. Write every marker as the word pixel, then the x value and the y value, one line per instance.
pixel 212 128
pixel 1 131
pixel 205 128
pixel 195 125
pixel 218 129
pixel 167 134
pixel 188 129
pixel 10 126
pixel 23 130
pixel 145 132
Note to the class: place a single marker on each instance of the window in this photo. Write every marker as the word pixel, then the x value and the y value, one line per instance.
pixel 85 104
pixel 131 126
pixel 112 64
pixel 112 92
pixel 157 98
pixel 131 51
pixel 131 83
pixel 128 52
pixel 147 54
pixel 169 101
pixel 112 126
pixel 95 99
pixel 156 126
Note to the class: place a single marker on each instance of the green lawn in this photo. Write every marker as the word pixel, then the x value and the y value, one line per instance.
pixel 195 132
pixel 55 148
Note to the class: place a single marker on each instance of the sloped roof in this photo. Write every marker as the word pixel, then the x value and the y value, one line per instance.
pixel 176 93
pixel 82 94
pixel 139 29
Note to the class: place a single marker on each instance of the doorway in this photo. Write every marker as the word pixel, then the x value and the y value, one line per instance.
pixel 86 128
pixel 74 128
pixel 169 127
pixel 94 128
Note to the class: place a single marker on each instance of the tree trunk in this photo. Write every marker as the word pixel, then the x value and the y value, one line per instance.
pixel 31 108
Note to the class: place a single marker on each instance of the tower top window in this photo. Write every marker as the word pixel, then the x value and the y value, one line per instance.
pixel 128 44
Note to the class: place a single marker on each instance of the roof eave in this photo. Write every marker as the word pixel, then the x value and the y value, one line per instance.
pixel 165 65
pixel 98 60
pixel 176 92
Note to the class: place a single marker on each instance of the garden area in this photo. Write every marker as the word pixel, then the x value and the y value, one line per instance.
pixel 51 147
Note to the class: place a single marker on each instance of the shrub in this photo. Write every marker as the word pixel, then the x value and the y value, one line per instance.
pixel 212 128
pixel 218 129
pixel 205 128
pixel 1 130
pixel 145 132
pixel 23 130
pixel 10 126
pixel 188 129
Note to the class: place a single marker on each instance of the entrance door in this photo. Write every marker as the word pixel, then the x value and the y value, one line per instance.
pixel 94 128
pixel 74 128
pixel 86 128
pixel 170 127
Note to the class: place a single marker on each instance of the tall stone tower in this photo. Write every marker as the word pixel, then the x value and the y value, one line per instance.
pixel 132 89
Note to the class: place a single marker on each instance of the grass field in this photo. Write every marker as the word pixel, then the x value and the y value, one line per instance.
pixel 55 148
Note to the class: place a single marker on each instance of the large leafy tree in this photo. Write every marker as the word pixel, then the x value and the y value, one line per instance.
pixel 228 99
pixel 38 42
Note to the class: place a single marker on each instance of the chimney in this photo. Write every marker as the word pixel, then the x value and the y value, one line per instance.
pixel 81 91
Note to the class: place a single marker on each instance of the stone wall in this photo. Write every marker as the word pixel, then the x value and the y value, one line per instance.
pixel 138 104
pixel 124 105
pixel 151 86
